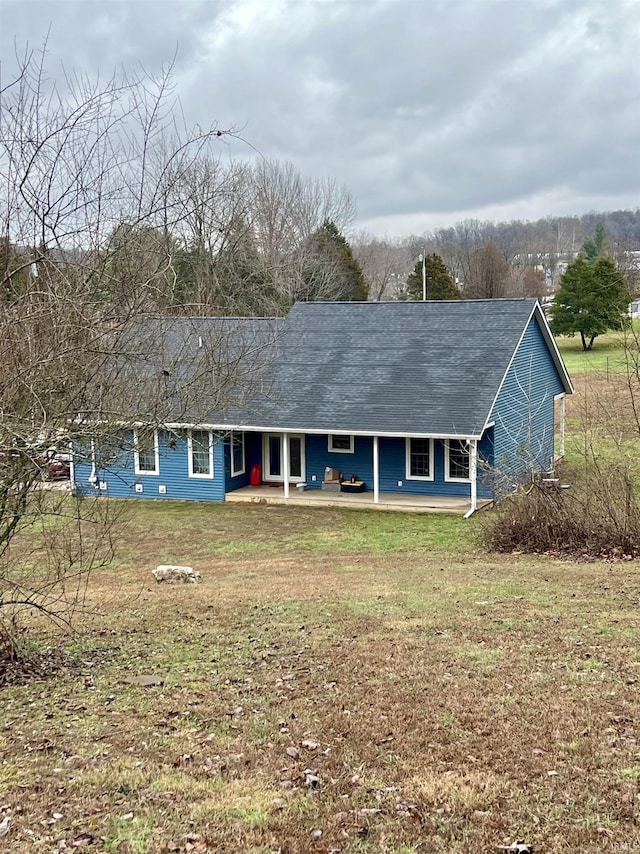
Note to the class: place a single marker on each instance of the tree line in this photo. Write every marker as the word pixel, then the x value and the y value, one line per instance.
pixel 221 239
pixel 488 259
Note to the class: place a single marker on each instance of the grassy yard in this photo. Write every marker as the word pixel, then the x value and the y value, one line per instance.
pixel 339 682
pixel 602 408
pixel 607 356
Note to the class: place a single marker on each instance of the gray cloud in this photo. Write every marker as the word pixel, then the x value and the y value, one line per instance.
pixel 425 110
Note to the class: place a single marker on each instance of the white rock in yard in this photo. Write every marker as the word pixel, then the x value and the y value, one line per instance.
pixel 172 574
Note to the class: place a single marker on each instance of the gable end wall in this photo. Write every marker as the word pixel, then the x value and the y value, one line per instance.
pixel 524 411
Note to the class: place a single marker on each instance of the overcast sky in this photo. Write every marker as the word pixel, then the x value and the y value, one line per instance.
pixel 429 111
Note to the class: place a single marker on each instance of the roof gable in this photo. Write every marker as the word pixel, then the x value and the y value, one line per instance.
pixel 395 367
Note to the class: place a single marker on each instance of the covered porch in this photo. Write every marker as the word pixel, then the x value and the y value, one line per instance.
pixel 418 474
pixel 364 500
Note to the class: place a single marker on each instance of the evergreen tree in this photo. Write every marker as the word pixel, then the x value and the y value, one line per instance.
pixel 241 284
pixel 440 284
pixel 15 271
pixel 593 247
pixel 331 269
pixel 592 299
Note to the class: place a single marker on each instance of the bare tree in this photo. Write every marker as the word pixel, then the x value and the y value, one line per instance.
pixel 213 226
pixel 85 175
pixel 628 260
pixel 287 210
pixel 384 263
pixel 489 274
pixel 242 238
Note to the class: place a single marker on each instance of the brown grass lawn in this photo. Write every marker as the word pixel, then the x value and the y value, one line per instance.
pixel 603 406
pixel 339 682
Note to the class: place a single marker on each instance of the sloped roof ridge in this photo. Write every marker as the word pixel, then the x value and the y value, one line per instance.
pixel 416 302
pixel 184 317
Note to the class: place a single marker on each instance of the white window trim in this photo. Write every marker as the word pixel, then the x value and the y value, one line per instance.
pixel 235 473
pixel 408 475
pixel 333 450
pixel 136 457
pixel 209 475
pixel 447 476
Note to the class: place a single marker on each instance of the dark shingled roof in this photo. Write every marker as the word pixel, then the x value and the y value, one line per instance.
pixel 393 367
pixel 189 370
pixel 417 368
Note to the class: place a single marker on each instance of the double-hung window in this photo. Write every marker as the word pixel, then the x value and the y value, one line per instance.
pixel 457 460
pixel 200 447
pixel 340 444
pixel 145 452
pixel 419 459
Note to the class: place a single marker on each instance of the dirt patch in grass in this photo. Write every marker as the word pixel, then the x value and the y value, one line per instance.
pixel 411 697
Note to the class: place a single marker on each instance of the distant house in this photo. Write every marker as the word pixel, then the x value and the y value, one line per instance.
pixel 452 399
pixel 634 309
pixel 547 303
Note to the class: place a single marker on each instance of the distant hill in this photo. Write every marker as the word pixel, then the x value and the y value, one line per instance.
pixel 544 247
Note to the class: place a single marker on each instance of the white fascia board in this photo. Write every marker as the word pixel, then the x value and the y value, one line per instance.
pixel 547 334
pixel 312 431
pixel 253 428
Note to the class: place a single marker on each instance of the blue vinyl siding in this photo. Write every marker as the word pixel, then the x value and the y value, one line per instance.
pixel 486 469
pixel 318 457
pixel 392 454
pixel 524 410
pixel 252 456
pixel 120 478
pixel 392 460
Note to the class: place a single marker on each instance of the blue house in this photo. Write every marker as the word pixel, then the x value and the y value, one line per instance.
pixel 452 399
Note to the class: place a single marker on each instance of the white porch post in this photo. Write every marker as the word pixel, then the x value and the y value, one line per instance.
pixel 473 474
pixel 376 472
pixel 285 463
pixel 72 464
pixel 92 476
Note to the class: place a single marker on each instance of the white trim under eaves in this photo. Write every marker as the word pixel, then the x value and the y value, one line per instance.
pixel 312 431
pixel 555 355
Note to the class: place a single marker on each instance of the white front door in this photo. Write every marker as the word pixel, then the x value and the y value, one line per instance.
pixel 273 458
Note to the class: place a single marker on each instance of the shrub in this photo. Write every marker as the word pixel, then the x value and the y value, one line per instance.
pixel 598 515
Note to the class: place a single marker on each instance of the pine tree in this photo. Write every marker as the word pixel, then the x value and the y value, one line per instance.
pixel 440 284
pixel 592 299
pixel 593 247
pixel 332 259
pixel 15 271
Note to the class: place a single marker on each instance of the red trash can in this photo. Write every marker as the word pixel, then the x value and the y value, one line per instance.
pixel 255 478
